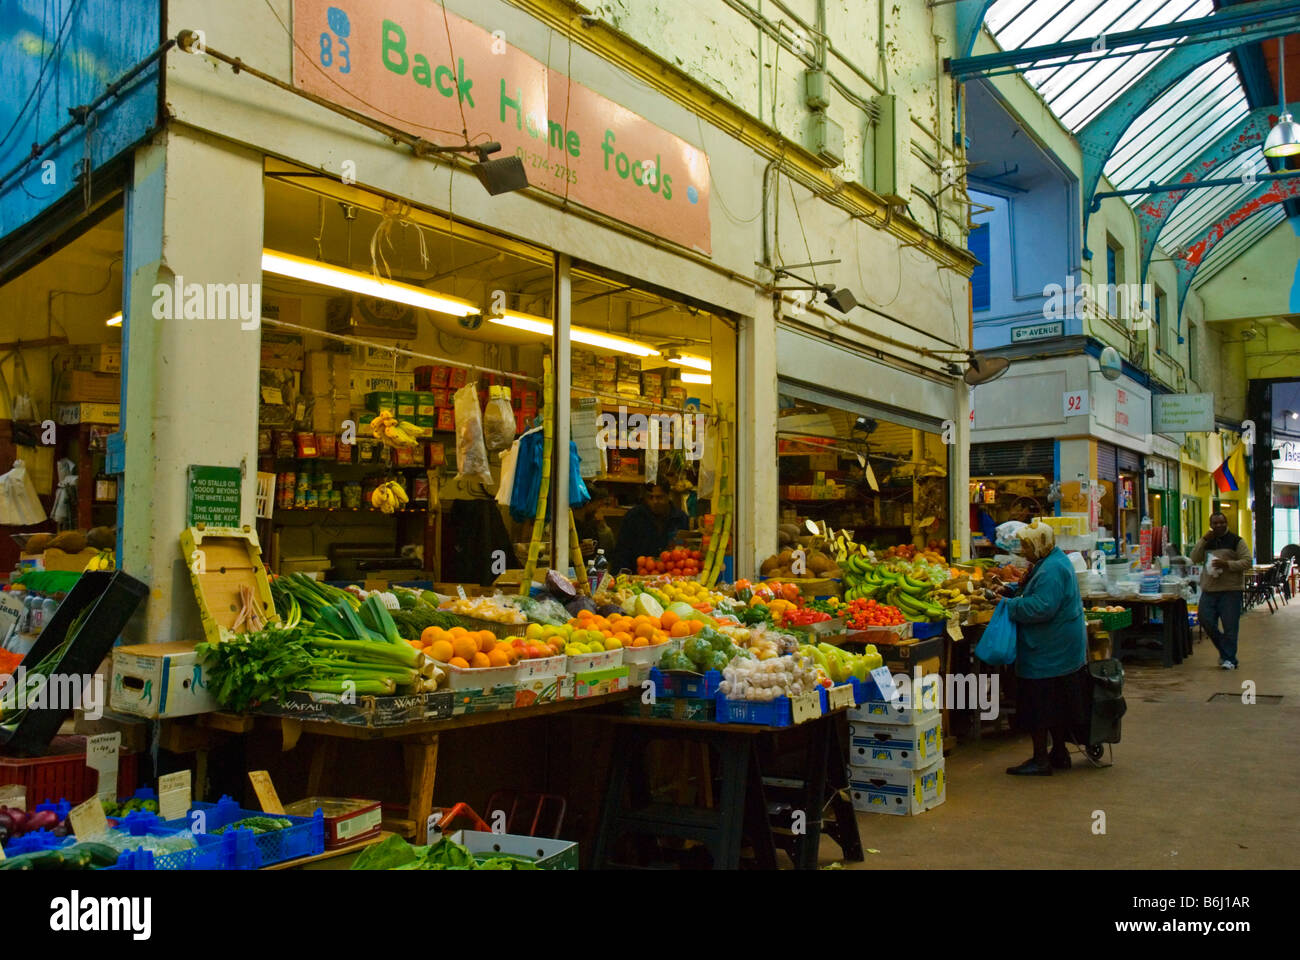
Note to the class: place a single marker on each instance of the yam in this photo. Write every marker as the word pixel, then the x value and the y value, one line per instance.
pixel 770 564
pixel 37 542
pixel 101 538
pixel 70 541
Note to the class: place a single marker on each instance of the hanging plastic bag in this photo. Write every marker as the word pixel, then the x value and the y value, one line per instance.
pixel 19 504
pixel 998 645
pixel 498 421
pixel 528 476
pixel 509 461
pixel 64 511
pixel 23 407
pixel 471 454
pixel 578 492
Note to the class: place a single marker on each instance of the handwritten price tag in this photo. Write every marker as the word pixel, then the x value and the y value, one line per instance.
pixel 174 795
pixel 101 755
pixel 87 821
pixel 265 791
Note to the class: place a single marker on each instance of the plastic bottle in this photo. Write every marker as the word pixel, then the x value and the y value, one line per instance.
pixel 48 608
pixel 1144 540
pixel 598 568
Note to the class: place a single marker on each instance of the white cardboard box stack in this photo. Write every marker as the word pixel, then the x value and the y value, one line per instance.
pixel 896 761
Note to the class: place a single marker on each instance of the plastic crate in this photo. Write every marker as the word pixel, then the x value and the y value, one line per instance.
pixel 768 713
pixel 211 853
pixel 35 842
pixel 924 631
pixel 62 772
pixel 305 838
pixel 679 683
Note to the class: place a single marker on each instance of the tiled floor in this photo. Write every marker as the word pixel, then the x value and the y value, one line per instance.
pixel 1195 784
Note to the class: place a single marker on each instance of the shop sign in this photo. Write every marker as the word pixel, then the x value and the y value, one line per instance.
pixel 1038 331
pixel 215 496
pixel 1182 412
pixel 392 60
pixel 1075 403
pixel 1289 455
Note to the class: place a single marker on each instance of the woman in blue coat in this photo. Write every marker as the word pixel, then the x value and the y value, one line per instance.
pixel 1051 652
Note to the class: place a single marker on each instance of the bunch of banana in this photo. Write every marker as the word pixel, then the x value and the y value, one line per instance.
pixel 389 497
pixel 952 593
pixel 395 433
pixel 104 560
pixel 907 597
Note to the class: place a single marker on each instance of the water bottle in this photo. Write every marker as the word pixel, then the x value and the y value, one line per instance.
pixel 598 568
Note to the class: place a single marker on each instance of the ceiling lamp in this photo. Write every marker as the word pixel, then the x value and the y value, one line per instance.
pixel 696 363
pixel 700 378
pixel 115 320
pixel 1284 139
pixel 313 271
pixel 591 338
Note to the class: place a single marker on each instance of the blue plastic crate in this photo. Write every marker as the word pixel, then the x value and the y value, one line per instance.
pixel 769 713
pixel 62 808
pixel 35 842
pixel 211 853
pixel 679 683
pixel 305 838
pixel 924 631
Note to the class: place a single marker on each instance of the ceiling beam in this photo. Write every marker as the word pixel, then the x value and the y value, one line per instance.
pixel 970 18
pixel 1156 212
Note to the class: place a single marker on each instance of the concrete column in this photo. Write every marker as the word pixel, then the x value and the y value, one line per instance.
pixel 193 214
pixel 755 434
pixel 560 368
pixel 959 471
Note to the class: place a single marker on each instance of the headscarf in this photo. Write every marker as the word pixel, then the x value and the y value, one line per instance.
pixel 1040 535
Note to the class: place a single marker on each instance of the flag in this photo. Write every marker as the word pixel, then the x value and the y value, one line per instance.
pixel 1224 479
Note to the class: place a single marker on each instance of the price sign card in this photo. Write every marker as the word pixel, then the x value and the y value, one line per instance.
pixel 174 795
pixel 101 755
pixel 265 791
pixel 87 821
pixel 884 681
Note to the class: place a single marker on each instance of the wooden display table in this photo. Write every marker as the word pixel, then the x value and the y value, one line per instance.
pixel 419 742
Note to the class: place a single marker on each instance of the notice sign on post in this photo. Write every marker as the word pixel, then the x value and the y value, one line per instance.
pixel 215 496
pixel 1182 412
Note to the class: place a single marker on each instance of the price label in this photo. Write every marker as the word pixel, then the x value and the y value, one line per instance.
pixel 954 628
pixel 461 591
pixel 1075 403
pixel 174 795
pixel 265 790
pixel 13 796
pixel 885 683
pixel 102 756
pixel 87 820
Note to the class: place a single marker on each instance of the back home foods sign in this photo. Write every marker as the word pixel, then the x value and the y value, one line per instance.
pixel 393 60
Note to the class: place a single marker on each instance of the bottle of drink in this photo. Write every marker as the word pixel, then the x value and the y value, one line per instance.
pixel 1144 539
pixel 598 568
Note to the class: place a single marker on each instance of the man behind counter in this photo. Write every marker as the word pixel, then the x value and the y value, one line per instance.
pixel 648 529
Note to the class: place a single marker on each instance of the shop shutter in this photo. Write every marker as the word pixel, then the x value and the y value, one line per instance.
pixel 1018 456
pixel 1106 462
pixel 1128 460
pixel 978 244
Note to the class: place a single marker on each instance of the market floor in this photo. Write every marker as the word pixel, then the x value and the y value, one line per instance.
pixel 1195 784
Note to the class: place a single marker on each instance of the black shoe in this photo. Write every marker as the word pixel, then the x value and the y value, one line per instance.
pixel 1061 761
pixel 1031 768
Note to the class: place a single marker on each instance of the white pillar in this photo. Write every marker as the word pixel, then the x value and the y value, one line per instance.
pixel 561 367
pixel 756 479
pixel 959 472
pixel 193 213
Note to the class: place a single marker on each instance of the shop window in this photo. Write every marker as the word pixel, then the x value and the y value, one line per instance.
pixel 978 243
pixel 1193 352
pixel 1192 514
pixel 1114 276
pixel 1157 321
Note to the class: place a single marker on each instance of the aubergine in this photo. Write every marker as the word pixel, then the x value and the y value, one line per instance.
pixel 581 603
pixel 560 587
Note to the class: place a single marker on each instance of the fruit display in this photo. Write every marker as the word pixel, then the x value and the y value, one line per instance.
pixel 706 650
pixel 103 560
pixel 839 665
pixel 494 609
pixel 389 497
pixel 473 649
pixel 766 680
pixel 392 432
pixel 863 614
pixel 804 617
pixel 641 630
pixel 677 562
pixel 899 585
pixel 1113 609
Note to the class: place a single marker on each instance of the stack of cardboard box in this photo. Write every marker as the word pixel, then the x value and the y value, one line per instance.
pixel 896 751
pixel 628 371
pixel 327 390
pixel 88 384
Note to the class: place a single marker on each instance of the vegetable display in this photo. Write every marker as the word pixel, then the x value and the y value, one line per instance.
pixel 81 856
pixel 864 614
pixel 259 825
pixel 394 853
pixel 766 680
pixel 678 562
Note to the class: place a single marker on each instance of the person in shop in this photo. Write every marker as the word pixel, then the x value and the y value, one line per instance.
pixel 593 529
pixel 1051 652
pixel 1225 558
pixel 648 529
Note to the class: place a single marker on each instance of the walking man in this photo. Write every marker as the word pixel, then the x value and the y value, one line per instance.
pixel 1224 558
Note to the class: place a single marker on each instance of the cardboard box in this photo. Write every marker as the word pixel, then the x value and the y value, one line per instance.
pixel 457 377
pixel 903 793
pixel 446 419
pixel 327 373
pixel 912 706
pixel 71 414
pixel 547 854
pixel 159 680
pixel 365 357
pixel 534 691
pixel 483 700
pixel 325 414
pixel 94 357
pixel 370 381
pixel 56 559
pixel 84 386
pixel 366 711
pixel 281 352
pixel 896 746
pixel 598 683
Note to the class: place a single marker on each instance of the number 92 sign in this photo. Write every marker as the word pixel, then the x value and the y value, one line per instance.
pixel 1075 403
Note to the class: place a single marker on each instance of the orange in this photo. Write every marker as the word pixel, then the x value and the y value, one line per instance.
pixel 607 633
pixel 486 640
pixel 667 620
pixel 442 650
pixel 640 619
pixel 624 638
pixel 416 644
pixel 682 628
pixel 431 635
pixel 498 658
pixel 536 651
pixel 696 626
pixel 505 649
pixel 640 642
pixel 464 647
pixel 644 630
pixel 655 622
pixel 458 662
pixel 481 660
pixel 458 631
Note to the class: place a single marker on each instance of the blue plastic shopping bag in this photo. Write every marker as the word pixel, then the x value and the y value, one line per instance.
pixel 998 645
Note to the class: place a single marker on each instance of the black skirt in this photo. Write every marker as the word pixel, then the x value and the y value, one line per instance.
pixel 1063 701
